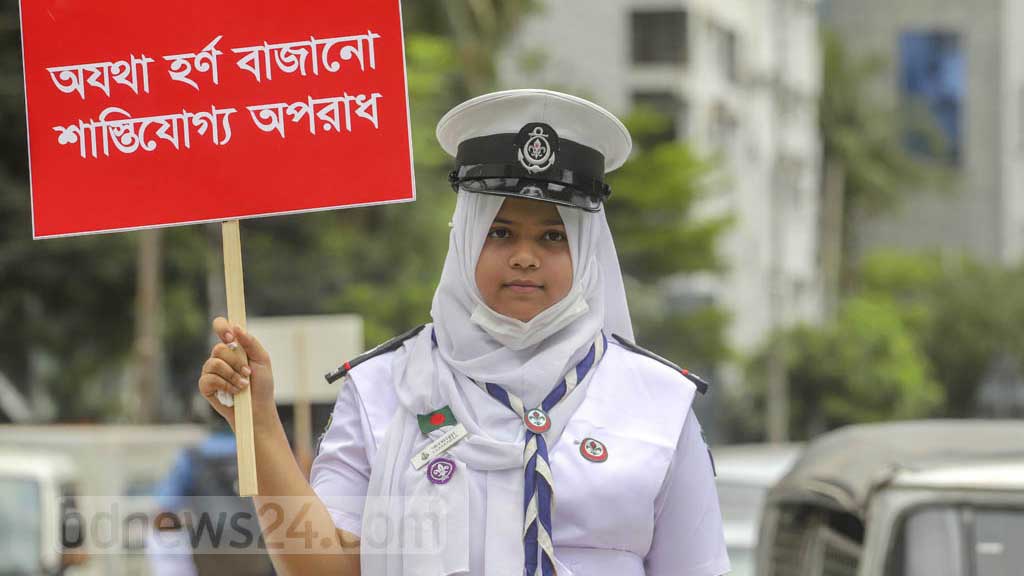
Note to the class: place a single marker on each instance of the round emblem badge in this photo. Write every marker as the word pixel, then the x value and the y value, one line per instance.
pixel 537 421
pixel 441 470
pixel 536 149
pixel 593 450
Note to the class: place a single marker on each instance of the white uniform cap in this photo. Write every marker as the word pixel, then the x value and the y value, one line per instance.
pixel 508 111
pixel 534 143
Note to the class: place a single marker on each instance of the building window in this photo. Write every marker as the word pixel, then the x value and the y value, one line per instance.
pixel 1020 119
pixel 730 56
pixel 725 45
pixel 673 110
pixel 723 129
pixel 932 79
pixel 660 37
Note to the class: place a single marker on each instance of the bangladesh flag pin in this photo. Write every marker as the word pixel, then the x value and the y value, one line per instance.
pixel 436 419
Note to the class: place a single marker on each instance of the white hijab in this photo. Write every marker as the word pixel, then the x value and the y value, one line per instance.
pixel 475 345
pixel 527 358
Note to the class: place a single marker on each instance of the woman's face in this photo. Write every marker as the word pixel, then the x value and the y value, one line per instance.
pixel 525 265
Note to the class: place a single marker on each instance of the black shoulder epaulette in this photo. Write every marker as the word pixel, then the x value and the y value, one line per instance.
pixel 702 385
pixel 389 346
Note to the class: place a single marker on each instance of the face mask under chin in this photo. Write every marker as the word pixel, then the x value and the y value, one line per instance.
pixel 518 335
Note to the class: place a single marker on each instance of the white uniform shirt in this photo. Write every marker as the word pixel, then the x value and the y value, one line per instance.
pixel 651 508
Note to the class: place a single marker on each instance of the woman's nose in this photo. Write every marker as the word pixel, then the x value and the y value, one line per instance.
pixel 524 255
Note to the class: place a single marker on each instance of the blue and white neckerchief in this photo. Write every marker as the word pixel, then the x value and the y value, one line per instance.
pixel 538 493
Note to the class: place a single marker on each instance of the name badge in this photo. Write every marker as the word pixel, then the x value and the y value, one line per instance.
pixel 439 446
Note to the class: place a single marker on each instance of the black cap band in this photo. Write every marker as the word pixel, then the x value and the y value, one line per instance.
pixel 536 154
pixel 502 149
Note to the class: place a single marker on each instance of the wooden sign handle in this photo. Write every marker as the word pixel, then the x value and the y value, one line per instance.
pixel 244 437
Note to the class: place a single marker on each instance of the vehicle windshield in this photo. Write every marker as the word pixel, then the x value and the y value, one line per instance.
pixel 959 541
pixel 20 517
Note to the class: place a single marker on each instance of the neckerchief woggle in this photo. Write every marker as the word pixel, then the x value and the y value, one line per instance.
pixel 538 488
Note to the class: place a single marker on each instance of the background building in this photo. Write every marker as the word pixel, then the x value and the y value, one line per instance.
pixel 741 80
pixel 964 63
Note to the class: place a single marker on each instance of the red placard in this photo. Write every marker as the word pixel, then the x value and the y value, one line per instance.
pixel 129 127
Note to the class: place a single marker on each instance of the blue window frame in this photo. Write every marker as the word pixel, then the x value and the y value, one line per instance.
pixel 932 75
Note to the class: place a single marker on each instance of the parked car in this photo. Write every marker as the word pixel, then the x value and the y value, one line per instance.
pixel 36 491
pixel 901 499
pixel 744 473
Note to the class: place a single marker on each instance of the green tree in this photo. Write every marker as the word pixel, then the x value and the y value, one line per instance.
pixel 658 237
pixel 965 315
pixel 916 339
pixel 865 366
pixel 478 29
pixel 62 313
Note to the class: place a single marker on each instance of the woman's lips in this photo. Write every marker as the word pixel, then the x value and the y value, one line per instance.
pixel 523 287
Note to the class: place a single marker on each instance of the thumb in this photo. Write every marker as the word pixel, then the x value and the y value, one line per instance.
pixel 253 349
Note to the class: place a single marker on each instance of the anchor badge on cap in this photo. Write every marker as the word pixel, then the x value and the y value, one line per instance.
pixel 537 144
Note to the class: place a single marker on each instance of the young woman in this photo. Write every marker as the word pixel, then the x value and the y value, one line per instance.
pixel 521 431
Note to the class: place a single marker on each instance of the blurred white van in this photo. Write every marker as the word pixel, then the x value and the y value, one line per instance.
pixel 36 490
pixel 116 469
pixel 745 472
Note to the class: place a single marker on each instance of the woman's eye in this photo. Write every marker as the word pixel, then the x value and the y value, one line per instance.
pixel 554 236
pixel 498 233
